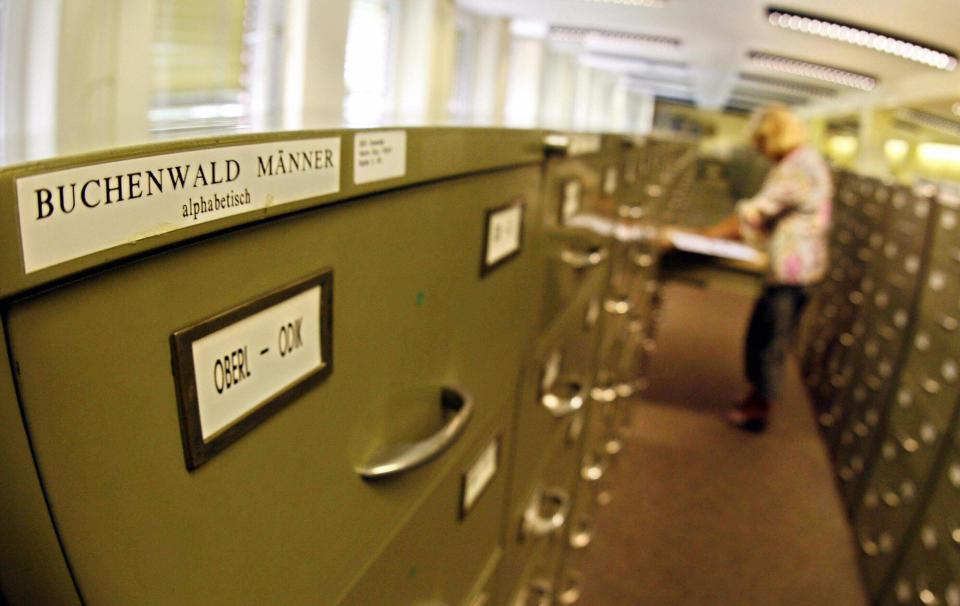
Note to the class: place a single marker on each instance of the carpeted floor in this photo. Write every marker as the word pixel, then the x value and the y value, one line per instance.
pixel 705 514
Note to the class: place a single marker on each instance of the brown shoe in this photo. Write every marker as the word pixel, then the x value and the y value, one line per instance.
pixel 748 418
pixel 750 414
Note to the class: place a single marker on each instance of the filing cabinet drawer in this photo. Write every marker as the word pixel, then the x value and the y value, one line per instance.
pixel 538 514
pixel 443 554
pixel 890 500
pixel 923 391
pixel 575 264
pixel 537 584
pixel 930 572
pixel 281 514
pixel 554 395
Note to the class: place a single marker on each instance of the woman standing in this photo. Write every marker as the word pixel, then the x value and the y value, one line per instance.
pixel 789 218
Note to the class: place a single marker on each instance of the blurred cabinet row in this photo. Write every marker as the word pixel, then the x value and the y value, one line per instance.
pixel 879 351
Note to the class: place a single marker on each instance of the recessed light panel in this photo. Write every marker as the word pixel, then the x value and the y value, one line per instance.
pixel 641 3
pixel 817 71
pixel 790 85
pixel 883 42
pixel 562 33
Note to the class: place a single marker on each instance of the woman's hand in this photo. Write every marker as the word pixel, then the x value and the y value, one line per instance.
pixel 728 229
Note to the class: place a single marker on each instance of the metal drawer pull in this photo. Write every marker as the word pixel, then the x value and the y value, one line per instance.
pixel 603 394
pixel 583 259
pixel 926 595
pixel 538 593
pixel 594 467
pixel 546 513
pixel 643 260
pixel 391 459
pixel 564 398
pixel 624 390
pixel 481 599
pixel 617 307
pixel 613 445
pixel 903 591
pixel 582 534
pixel 572 589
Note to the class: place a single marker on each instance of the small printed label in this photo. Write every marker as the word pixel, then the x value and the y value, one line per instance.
pixel 480 474
pixel 610 180
pixel 572 194
pixel 71 213
pixel 240 366
pixel 551 370
pixel 584 144
pixel 504 232
pixel 379 155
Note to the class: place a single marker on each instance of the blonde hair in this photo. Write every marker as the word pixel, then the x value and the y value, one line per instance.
pixel 776 132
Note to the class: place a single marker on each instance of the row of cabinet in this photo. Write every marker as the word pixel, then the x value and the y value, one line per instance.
pixel 879 353
pixel 402 381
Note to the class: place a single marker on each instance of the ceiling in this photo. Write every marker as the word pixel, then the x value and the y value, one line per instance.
pixel 711 67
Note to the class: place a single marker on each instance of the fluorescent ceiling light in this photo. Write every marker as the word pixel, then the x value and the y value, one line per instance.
pixel 928 120
pixel 756 94
pixel 791 85
pixel 896 150
pixel 528 28
pixel 740 103
pixel 642 3
pixel 939 152
pixel 562 33
pixel 636 66
pixel 861 36
pixel 817 71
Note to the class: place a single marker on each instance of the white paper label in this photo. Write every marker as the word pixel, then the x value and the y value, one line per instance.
pixel 551 370
pixel 571 199
pixel 504 229
pixel 610 180
pixel 379 155
pixel 70 213
pixel 243 365
pixel 480 474
pixel 584 144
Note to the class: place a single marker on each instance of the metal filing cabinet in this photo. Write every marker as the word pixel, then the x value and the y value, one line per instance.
pixel 550 421
pixel 581 179
pixel 921 413
pixel 581 176
pixel 889 294
pixel 421 348
pixel 930 570
pixel 832 308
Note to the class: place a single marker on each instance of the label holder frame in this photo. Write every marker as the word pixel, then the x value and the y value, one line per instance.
pixel 487 268
pixel 464 509
pixel 196 450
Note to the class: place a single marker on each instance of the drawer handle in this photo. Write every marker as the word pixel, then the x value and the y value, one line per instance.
pixel 643 260
pixel 564 398
pixel 613 445
pixel 582 534
pixel 594 468
pixel 395 458
pixel 617 307
pixel 481 599
pixel 573 589
pixel 538 593
pixel 579 259
pixel 536 524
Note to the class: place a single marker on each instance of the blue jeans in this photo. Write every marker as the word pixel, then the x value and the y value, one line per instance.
pixel 774 320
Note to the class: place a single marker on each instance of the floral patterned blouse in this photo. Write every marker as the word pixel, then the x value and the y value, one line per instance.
pixel 790 218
